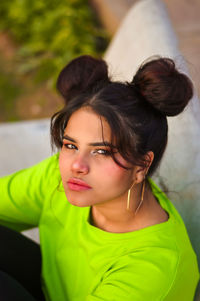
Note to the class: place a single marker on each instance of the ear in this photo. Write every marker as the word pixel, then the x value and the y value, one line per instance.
pixel 141 172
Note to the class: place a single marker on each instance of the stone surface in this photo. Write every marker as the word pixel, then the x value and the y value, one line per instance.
pixel 146 31
pixel 23 144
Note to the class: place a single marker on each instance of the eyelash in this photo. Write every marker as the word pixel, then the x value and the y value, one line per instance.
pixel 66 145
pixel 104 152
pixel 99 151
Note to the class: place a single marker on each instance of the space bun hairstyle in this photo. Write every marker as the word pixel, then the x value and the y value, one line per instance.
pixel 164 87
pixel 135 111
pixel 81 75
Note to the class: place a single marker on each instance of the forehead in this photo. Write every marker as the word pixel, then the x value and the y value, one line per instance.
pixel 86 124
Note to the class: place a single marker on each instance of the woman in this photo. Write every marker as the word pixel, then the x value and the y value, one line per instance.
pixel 107 232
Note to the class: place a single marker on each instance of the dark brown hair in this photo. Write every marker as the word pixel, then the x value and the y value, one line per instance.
pixel 135 111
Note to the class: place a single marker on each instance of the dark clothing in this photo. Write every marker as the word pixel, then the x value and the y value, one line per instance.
pixel 20 267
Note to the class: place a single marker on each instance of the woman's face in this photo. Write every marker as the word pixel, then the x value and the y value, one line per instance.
pixel 89 174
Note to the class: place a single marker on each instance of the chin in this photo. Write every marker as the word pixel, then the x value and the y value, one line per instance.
pixel 78 201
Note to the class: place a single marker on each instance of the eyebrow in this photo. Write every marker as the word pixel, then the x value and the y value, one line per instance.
pixel 103 143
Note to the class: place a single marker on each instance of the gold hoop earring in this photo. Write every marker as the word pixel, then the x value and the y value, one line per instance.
pixel 142 197
pixel 128 198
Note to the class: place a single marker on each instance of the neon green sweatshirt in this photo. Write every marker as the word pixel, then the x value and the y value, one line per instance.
pixel 84 263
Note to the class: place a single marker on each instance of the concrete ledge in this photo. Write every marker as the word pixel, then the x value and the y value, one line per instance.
pixel 23 144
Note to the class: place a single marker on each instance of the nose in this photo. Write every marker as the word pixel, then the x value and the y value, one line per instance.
pixel 80 166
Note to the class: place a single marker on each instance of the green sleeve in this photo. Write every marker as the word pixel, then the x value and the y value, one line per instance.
pixel 139 277
pixel 23 194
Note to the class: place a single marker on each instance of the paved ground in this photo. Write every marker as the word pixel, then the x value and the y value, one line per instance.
pixel 185 17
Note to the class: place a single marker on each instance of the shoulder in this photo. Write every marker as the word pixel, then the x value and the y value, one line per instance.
pixel 36 178
pixel 165 203
pixel 48 164
pixel 47 169
pixel 45 175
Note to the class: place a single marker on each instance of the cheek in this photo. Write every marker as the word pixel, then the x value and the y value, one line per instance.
pixel 63 164
pixel 113 169
pixel 114 181
pixel 115 173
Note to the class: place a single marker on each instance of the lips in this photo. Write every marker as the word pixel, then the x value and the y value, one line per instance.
pixel 77 185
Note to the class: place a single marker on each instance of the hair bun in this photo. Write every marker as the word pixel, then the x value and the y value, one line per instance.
pixel 163 86
pixel 80 75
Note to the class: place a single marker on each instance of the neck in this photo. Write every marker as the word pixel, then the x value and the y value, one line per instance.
pixel 114 213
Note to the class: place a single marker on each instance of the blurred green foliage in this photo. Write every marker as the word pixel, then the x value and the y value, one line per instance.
pixel 10 90
pixel 50 33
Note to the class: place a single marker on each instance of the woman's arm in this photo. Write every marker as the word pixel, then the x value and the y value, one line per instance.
pixel 23 194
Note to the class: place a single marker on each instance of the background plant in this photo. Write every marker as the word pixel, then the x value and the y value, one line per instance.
pixel 50 32
pixel 47 35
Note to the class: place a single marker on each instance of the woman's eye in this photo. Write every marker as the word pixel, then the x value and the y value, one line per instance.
pixel 69 146
pixel 102 152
